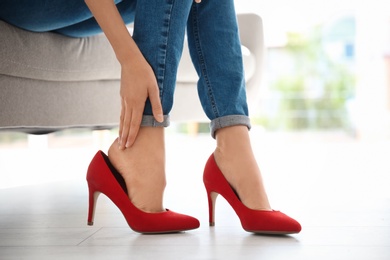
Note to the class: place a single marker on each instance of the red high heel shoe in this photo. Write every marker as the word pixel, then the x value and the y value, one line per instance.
pixel 256 221
pixel 102 177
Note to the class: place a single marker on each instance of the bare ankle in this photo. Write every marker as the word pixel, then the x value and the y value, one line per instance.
pixel 143 168
pixel 235 158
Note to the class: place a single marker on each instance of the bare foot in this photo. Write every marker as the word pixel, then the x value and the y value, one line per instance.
pixel 143 168
pixel 234 157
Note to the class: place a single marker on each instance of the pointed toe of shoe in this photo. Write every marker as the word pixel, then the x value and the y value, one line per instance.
pixel 193 223
pixel 181 222
pixel 165 222
pixel 271 222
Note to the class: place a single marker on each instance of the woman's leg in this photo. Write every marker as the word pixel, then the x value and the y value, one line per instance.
pixel 67 17
pixel 43 16
pixel 216 52
pixel 159 29
pixel 90 27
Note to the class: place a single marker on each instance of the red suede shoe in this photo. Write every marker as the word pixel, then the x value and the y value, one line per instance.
pixel 256 221
pixel 102 177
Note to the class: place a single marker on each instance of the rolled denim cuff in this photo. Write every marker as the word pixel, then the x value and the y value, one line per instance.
pixel 150 121
pixel 226 121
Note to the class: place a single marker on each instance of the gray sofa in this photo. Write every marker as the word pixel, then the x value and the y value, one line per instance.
pixel 49 82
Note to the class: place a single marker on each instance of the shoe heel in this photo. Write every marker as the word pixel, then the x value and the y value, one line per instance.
pixel 212 197
pixel 93 195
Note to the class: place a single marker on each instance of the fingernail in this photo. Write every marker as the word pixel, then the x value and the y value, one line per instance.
pixel 160 118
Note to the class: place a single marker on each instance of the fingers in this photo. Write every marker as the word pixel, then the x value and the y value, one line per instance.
pixel 198 1
pixel 124 125
pixel 131 118
pixel 135 124
pixel 155 101
pixel 121 124
pixel 130 122
pixel 134 93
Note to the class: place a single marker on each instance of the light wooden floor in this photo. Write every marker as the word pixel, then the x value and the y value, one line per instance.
pixel 339 190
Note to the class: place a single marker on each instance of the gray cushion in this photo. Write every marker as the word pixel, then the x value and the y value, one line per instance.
pixel 50 82
pixel 50 56
pixel 38 106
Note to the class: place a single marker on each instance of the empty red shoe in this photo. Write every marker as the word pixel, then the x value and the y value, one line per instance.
pixel 103 178
pixel 256 221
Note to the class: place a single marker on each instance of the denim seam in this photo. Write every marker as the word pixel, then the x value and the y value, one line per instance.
pixel 165 35
pixel 202 63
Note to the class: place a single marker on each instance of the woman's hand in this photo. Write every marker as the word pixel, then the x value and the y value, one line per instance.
pixel 138 83
pixel 198 1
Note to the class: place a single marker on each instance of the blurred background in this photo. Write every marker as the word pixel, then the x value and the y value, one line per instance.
pixel 327 66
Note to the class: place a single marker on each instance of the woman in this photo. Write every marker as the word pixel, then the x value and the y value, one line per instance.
pixel 133 173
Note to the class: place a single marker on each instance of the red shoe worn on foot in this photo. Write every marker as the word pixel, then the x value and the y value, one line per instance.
pixel 102 177
pixel 256 221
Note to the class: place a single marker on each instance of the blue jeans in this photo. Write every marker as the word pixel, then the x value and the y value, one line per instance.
pixel 159 30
